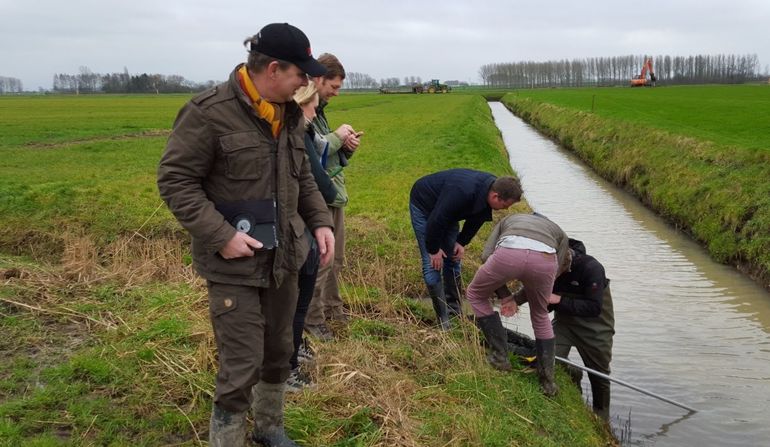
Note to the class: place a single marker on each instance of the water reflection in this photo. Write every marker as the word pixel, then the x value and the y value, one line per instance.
pixel 687 328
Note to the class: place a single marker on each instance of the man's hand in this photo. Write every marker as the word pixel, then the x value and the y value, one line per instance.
pixel 554 299
pixel 437 259
pixel 458 252
pixel 239 246
pixel 325 239
pixel 352 141
pixel 344 131
pixel 508 307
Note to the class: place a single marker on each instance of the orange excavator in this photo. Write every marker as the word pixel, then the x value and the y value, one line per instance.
pixel 642 80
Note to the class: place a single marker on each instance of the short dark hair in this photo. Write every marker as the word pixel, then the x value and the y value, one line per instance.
pixel 508 188
pixel 258 62
pixel 333 66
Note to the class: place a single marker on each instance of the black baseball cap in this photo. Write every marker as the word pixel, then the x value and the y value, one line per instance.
pixel 288 43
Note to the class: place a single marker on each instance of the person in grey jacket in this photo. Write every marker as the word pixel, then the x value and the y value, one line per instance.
pixel 533 250
pixel 235 175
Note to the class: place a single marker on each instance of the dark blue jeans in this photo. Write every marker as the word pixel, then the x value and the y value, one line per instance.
pixel 451 267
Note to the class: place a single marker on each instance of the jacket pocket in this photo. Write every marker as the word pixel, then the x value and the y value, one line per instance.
pixel 221 303
pixel 301 240
pixel 255 267
pixel 297 155
pixel 247 155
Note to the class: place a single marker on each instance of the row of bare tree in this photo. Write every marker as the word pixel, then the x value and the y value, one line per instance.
pixel 87 81
pixel 700 69
pixel 355 80
pixel 10 85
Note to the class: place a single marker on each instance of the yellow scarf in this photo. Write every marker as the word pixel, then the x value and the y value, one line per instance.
pixel 264 109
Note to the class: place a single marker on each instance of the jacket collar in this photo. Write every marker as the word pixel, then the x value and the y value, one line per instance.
pixel 481 205
pixel 293 114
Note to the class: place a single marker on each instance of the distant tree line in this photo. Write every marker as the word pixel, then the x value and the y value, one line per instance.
pixel 700 69
pixel 10 85
pixel 355 80
pixel 412 80
pixel 87 81
pixel 389 82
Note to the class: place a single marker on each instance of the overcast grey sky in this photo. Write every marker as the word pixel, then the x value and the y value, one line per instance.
pixel 451 39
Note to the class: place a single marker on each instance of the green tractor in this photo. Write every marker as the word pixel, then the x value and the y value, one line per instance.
pixel 434 86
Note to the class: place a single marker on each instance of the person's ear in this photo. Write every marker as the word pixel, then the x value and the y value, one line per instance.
pixel 272 69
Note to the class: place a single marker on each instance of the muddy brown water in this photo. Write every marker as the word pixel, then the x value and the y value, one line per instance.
pixel 687 328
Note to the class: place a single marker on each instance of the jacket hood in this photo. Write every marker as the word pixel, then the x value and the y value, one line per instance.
pixel 577 246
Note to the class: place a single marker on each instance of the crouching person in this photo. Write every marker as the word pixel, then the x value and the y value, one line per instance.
pixel 533 250
pixel 235 175
pixel 584 318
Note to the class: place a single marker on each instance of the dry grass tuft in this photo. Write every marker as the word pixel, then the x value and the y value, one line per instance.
pixel 388 361
pixel 131 260
pixel 69 299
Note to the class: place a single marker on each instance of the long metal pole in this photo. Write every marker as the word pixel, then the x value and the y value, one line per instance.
pixel 626 384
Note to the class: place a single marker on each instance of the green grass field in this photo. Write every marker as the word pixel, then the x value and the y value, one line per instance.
pixel 733 115
pixel 106 333
pixel 698 155
pixel 37 121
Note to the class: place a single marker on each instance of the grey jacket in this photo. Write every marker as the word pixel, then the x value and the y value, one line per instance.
pixel 534 227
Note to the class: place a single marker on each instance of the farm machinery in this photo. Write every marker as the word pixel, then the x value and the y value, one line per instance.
pixel 434 86
pixel 641 80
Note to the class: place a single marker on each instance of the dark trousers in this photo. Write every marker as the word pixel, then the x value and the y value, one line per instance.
pixel 253 332
pixel 592 337
pixel 306 285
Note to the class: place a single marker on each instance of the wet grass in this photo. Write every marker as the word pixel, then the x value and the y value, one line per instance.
pixel 106 332
pixel 707 176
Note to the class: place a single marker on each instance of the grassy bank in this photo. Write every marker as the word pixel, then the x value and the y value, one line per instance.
pixel 699 156
pixel 106 333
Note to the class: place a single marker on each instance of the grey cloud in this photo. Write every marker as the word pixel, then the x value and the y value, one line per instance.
pixel 201 40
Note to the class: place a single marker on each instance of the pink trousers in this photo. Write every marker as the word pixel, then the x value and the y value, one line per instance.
pixel 536 270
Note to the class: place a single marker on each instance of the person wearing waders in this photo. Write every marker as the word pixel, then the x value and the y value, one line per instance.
pixel 584 318
pixel 437 204
pixel 533 250
pixel 236 176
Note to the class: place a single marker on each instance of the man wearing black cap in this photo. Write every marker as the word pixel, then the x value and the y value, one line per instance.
pixel 235 175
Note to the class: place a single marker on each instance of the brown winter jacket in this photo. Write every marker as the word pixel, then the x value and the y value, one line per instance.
pixel 221 151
